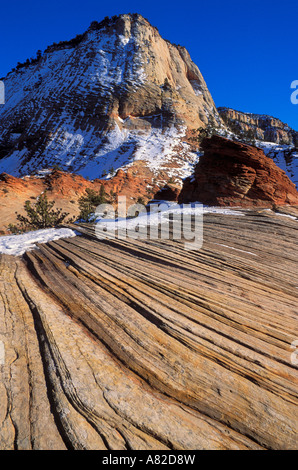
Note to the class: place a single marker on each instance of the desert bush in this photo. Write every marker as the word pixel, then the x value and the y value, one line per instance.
pixel 39 216
pixel 89 202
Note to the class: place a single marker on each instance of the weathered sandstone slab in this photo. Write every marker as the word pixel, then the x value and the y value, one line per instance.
pixel 130 344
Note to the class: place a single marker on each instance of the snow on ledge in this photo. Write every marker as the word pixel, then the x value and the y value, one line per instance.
pixel 156 217
pixel 17 245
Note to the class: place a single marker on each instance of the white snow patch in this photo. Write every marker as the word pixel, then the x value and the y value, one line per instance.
pixel 161 149
pixel 286 215
pixel 17 245
pixel 237 249
pixel 197 87
pixel 159 213
pixel 284 156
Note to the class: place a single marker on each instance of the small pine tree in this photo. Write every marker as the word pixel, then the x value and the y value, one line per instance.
pixel 141 200
pixel 201 133
pixel 41 215
pixel 16 229
pixel 102 195
pixel 90 201
pixel 56 168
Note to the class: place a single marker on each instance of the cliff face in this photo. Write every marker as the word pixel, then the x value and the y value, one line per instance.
pixel 117 94
pixel 235 174
pixel 259 127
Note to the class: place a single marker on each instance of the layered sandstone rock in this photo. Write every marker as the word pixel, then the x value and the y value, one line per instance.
pixel 131 344
pixel 259 127
pixel 235 174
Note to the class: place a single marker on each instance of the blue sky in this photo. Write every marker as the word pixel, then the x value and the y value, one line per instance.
pixel 246 51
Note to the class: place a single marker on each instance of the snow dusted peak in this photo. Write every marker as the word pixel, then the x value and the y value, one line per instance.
pixel 119 78
pixel 124 25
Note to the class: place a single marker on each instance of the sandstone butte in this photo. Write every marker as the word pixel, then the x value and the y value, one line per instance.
pixel 236 174
pixel 139 344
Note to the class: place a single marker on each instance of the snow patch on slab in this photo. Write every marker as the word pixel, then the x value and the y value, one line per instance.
pixel 160 212
pixel 237 249
pixel 17 245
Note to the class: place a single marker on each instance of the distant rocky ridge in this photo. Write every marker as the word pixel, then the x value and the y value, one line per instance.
pixel 259 127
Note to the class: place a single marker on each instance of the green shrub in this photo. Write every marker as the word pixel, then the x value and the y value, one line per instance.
pixel 15 229
pixel 141 200
pixel 56 168
pixel 90 201
pixel 40 215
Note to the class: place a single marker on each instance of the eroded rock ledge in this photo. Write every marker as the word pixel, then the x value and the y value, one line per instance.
pixel 142 345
